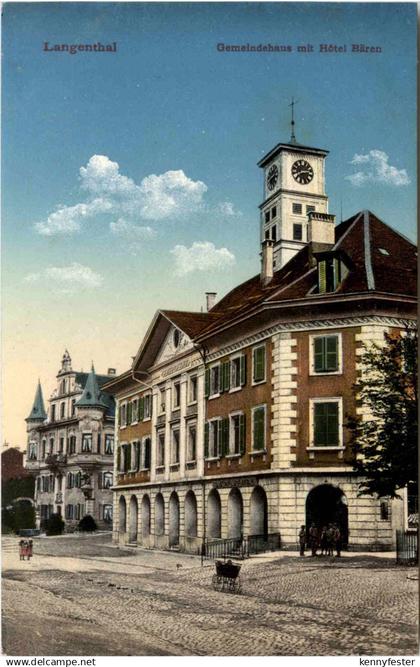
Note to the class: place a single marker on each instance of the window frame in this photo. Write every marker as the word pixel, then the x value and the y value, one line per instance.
pixel 85 435
pixel 312 338
pixel 213 426
pixel 175 429
pixel 297 205
pixel 231 452
pixel 105 475
pixel 160 444
pixel 109 437
pixel 212 369
pixel 333 448
pixel 192 400
pixel 123 411
pixel 176 384
pixel 296 227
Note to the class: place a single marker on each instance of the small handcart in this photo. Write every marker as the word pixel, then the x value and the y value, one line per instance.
pixel 227 577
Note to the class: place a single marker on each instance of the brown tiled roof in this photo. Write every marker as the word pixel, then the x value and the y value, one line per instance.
pixel 361 239
pixel 191 323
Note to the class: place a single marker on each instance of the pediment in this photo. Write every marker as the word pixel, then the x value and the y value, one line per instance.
pixel 175 343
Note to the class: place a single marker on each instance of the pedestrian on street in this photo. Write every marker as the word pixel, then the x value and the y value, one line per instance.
pixel 30 549
pixel 330 539
pixel 302 540
pixel 324 541
pixel 22 550
pixel 337 540
pixel 313 539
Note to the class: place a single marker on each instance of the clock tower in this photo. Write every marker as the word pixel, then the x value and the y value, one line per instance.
pixel 294 185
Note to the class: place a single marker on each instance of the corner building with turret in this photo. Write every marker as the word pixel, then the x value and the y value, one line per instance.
pixel 70 448
pixel 231 424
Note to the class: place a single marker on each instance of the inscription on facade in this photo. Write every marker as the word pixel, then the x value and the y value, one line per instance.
pixel 234 482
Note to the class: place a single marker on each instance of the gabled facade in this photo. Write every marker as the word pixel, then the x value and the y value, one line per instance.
pixel 232 423
pixel 70 448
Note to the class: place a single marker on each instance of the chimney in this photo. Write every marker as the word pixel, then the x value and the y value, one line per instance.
pixel 267 269
pixel 321 231
pixel 112 371
pixel 210 300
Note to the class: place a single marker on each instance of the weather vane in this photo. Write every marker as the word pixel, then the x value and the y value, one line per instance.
pixel 292 136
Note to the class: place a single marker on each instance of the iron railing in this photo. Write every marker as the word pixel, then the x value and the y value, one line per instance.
pixel 407 548
pixel 239 547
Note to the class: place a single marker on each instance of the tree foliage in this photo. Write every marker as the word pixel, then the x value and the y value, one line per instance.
pixel 385 444
pixel 87 524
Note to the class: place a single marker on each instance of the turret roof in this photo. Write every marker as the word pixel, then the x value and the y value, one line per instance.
pixel 38 408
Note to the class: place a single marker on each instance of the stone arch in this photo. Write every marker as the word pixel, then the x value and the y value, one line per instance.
pixel 145 516
pixel 214 515
pixel 258 519
pixel 159 515
pixel 173 519
pixel 134 514
pixel 235 514
pixel 327 504
pixel 122 513
pixel 190 514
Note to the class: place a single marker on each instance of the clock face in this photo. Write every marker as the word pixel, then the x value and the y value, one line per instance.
pixel 302 172
pixel 272 176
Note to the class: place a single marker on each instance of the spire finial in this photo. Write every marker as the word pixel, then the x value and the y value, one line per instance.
pixel 292 135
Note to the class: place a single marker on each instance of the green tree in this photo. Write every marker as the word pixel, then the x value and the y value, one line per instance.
pixel 385 444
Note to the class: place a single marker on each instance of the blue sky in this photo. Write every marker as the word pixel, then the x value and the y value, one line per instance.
pixel 186 125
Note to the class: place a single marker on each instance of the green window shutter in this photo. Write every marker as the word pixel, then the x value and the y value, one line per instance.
pixel 331 353
pixel 147 454
pixel 129 406
pixel 128 457
pixel 320 423
pixel 219 450
pixel 319 355
pixel 120 415
pixel 226 376
pixel 118 459
pixel 322 276
pixel 206 440
pixel 243 370
pixel 225 437
pixel 242 434
pixel 332 424
pixel 141 408
pixel 207 383
pixel 259 364
pixel 259 415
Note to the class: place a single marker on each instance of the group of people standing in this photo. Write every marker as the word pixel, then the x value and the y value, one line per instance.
pixel 327 539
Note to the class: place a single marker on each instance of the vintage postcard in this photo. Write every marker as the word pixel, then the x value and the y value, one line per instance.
pixel 209 330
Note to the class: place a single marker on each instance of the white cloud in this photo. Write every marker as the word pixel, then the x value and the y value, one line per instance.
pixel 168 195
pixel 376 169
pixel 68 219
pixel 67 279
pixel 201 256
pixel 227 208
pixel 131 231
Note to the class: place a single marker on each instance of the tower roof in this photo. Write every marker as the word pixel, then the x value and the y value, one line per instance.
pixel 92 395
pixel 38 409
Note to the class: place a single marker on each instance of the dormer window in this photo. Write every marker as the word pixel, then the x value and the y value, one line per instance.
pixel 331 272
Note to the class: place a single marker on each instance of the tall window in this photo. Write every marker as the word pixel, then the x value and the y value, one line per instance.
pixel 258 428
pixel 175 446
pixel 147 406
pixel 237 434
pixel 32 451
pixel 62 410
pixel 238 371
pixel 192 389
pixel 123 415
pixel 107 513
pixel 135 411
pixel 211 439
pixel 326 418
pixel 258 359
pixel 213 380
pixel 51 447
pixel 325 354
pixel 297 208
pixel 43 449
pixel 161 449
pixel 147 446
pixel 107 480
pixel 191 441
pixel 73 407
pixel 72 444
pixel 297 232
pixel 109 443
pixel 162 403
pixel 53 413
pixel 86 442
pixel 176 394
pixel 61 445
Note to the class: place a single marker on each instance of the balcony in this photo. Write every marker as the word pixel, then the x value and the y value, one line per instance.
pixel 32 464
